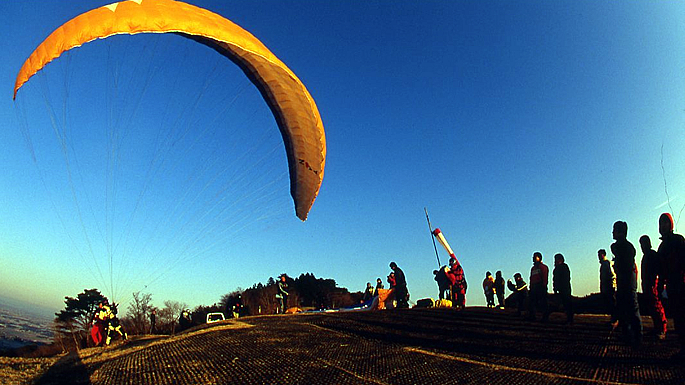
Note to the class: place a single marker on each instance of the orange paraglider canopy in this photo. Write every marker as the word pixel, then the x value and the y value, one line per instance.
pixel 293 107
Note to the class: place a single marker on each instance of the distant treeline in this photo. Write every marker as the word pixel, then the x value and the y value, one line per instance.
pixel 305 292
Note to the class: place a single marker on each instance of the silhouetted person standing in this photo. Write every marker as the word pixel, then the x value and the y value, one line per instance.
pixel 499 289
pixel 282 295
pixel 653 286
pixel 626 285
pixel 458 284
pixel 401 291
pixel 539 279
pixel 368 292
pixel 672 252
pixel 607 285
pixel 153 321
pixel 443 281
pixel 561 282
pixel 379 285
pixel 489 289
pixel 184 320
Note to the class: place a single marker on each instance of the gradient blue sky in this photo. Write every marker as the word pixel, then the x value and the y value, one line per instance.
pixel 521 126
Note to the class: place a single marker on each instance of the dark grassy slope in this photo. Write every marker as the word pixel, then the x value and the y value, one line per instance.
pixel 417 346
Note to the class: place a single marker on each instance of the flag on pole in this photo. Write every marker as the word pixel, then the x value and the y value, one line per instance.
pixel 441 238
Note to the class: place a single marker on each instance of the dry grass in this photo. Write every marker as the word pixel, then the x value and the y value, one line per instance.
pixel 15 370
pixel 23 370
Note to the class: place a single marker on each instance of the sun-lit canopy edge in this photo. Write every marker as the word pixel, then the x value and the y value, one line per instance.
pixel 293 107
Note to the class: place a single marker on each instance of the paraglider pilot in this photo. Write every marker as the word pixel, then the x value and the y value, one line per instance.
pixel 113 324
pixel 104 322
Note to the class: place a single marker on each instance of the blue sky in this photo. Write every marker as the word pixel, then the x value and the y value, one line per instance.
pixel 521 126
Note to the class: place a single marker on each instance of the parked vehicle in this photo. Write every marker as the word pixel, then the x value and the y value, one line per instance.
pixel 215 317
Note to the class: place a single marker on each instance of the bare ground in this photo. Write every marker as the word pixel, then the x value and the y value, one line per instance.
pixel 411 346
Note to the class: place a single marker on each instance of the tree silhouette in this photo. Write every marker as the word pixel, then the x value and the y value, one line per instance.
pixel 168 316
pixel 138 311
pixel 305 291
pixel 72 323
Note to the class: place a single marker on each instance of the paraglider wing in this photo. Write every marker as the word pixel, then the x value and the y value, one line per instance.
pixel 293 107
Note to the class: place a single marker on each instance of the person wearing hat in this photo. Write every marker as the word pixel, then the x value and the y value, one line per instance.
pixel 672 253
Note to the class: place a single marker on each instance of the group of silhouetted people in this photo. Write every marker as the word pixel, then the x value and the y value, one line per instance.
pixel 452 283
pixel 397 282
pixel 535 291
pixel 494 287
pixel 663 278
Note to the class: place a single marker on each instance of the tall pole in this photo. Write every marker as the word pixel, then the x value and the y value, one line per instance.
pixel 430 231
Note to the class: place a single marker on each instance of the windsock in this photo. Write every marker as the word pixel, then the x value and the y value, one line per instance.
pixel 441 238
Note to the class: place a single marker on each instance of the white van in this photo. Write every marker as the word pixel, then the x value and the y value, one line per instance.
pixel 215 317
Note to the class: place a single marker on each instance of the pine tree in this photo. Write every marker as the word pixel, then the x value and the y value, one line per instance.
pixel 73 322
